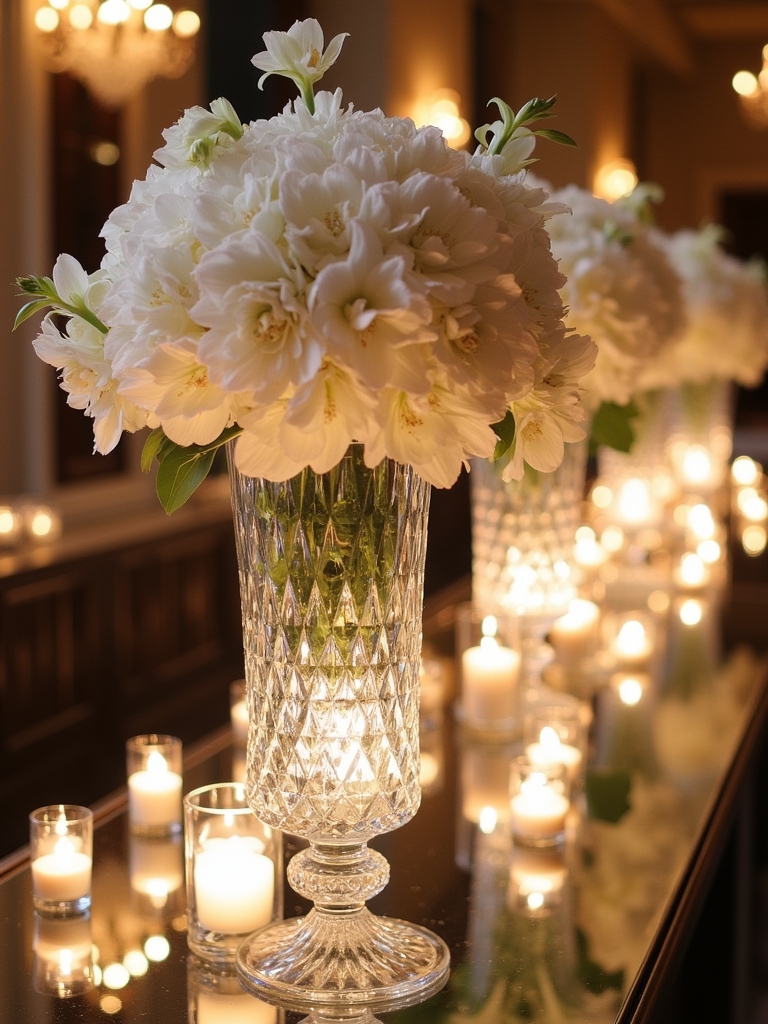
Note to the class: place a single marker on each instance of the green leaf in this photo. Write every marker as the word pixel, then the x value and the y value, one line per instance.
pixel 607 793
pixel 180 474
pixel 505 431
pixel 151 448
pixel 29 309
pixel 555 136
pixel 612 426
pixel 182 469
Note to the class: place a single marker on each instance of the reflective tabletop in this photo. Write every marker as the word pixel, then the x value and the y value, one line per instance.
pixel 579 932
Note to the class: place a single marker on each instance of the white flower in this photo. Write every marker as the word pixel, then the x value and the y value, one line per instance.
pixel 87 378
pixel 372 317
pixel 620 289
pixel 260 340
pixel 193 139
pixel 726 335
pixel 174 385
pixel 435 433
pixel 298 53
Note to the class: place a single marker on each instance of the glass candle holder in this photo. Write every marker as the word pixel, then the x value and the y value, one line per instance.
pixel 490 678
pixel 61 855
pixel 632 646
pixel 154 784
pixel 555 735
pixel 536 880
pixel 156 867
pixel 63 956
pixel 431 691
pixel 238 712
pixel 234 870
pixel 539 802
pixel 216 996
pixel 575 636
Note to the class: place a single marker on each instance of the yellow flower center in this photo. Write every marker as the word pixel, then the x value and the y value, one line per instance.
pixel 314 58
pixel 333 222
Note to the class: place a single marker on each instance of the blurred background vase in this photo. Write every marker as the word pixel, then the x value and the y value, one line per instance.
pixel 523 534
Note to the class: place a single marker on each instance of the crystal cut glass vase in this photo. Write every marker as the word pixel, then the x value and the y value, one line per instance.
pixel 523 534
pixel 331 577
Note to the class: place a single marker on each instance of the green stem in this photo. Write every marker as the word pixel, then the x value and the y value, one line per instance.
pixel 308 95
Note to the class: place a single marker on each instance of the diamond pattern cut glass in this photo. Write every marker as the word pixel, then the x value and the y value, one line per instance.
pixel 331 576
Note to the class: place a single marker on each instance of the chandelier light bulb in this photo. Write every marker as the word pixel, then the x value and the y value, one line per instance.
pixel 46 19
pixel 186 24
pixel 113 12
pixel 59 4
pixel 140 5
pixel 158 17
pixel 81 17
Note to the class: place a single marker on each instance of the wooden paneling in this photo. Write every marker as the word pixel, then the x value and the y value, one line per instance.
pixel 137 638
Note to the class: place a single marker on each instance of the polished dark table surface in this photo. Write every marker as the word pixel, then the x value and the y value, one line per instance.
pixel 601 952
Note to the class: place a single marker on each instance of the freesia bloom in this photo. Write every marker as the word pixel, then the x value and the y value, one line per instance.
pixel 298 53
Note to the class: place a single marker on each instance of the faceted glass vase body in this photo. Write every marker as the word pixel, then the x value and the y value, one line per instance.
pixel 523 532
pixel 522 539
pixel 331 578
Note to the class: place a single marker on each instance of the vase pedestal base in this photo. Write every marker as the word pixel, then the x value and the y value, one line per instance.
pixel 343 962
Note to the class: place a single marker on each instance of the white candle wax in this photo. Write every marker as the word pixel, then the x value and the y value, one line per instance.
pixel 632 646
pixel 234 886
pixel 64 874
pixel 575 635
pixel 538 811
pixel 154 795
pixel 216 1008
pixel 551 750
pixel 490 675
pixel 239 713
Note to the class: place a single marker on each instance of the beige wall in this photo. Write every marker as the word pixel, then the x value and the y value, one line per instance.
pixel 694 140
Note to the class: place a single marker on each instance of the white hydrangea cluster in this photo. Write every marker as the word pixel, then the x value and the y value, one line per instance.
pixel 620 289
pixel 323 277
pixel 726 336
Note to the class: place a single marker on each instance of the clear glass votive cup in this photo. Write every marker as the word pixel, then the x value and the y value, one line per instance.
pixel 215 996
pixel 539 802
pixel 554 734
pixel 490 674
pixel 238 711
pixel 234 871
pixel 63 956
pixel 154 770
pixel 61 856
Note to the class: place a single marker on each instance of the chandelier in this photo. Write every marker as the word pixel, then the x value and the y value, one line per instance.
pixel 753 93
pixel 115 46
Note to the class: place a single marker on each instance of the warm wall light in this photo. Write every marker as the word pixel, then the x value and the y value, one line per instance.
pixel 441 109
pixel 752 91
pixel 615 179
pixel 114 47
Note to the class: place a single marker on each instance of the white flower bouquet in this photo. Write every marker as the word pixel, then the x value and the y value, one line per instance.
pixel 323 277
pixel 726 302
pixel 622 290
